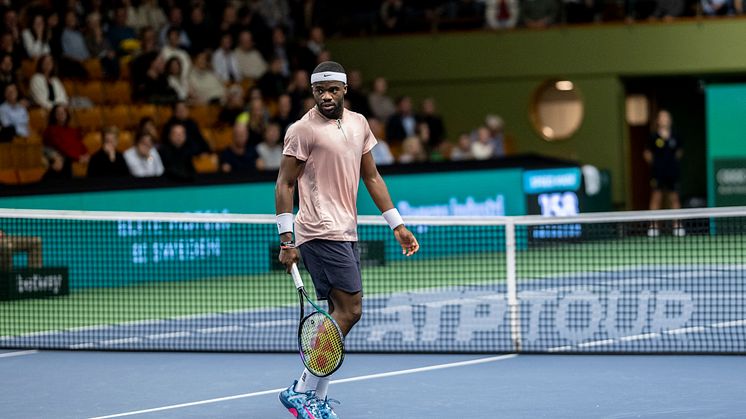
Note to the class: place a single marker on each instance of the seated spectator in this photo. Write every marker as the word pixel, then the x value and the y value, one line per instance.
pixel 251 64
pixel 46 89
pixel 496 127
pixel 198 30
pixel 284 116
pixel 154 87
pixel 173 49
pixel 273 83
pixel 7 71
pixel 99 47
pixel 65 140
pixel 74 48
pixel 7 47
pixel 108 162
pixel 670 9
pixel 148 13
pixel 142 158
pixel 539 13
pixel 462 150
pixel 280 49
pixel 412 151
pixel 147 125
pixel 14 114
pixel 176 154
pixel 36 37
pixel 11 244
pixel 429 115
pixel 224 60
pixel 394 16
pixel 194 140
pixel 204 84
pixel 501 14
pixel 356 95
pixel 483 148
pixel 175 78
pixel 239 157
pixel 270 149
pixel 258 120
pixel 381 105
pixel 309 57
pixel 299 90
pixel 402 124
pixel 12 26
pixel 56 167
pixel 716 7
pixel 381 152
pixel 234 105
pixel 175 20
pixel 122 37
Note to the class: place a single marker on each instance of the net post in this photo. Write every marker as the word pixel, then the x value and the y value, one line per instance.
pixel 512 289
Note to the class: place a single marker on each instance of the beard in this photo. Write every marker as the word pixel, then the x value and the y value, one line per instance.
pixel 331 113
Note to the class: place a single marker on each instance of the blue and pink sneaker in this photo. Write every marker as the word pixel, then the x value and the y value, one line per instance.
pixel 324 408
pixel 300 405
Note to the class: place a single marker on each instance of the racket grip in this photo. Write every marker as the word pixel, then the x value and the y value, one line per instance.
pixel 296 276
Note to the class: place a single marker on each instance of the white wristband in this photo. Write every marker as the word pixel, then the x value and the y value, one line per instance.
pixel 393 217
pixel 285 223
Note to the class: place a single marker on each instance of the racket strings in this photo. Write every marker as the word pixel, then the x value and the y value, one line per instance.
pixel 322 345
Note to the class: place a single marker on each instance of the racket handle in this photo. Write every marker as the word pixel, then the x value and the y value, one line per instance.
pixel 296 276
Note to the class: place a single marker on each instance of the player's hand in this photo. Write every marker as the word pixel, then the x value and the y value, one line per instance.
pixel 288 257
pixel 406 239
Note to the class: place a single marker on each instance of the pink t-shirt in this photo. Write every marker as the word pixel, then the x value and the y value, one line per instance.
pixel 332 150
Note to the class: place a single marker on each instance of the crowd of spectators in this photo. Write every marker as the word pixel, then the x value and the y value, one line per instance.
pixel 249 59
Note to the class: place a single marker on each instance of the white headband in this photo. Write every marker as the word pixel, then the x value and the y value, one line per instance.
pixel 328 76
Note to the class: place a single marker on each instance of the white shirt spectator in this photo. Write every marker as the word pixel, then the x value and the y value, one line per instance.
pixel 382 154
pixel 186 62
pixel 15 115
pixel 251 64
pixel 139 166
pixel 206 86
pixel 147 14
pixel 225 65
pixel 482 151
pixel 34 47
pixel 40 91
pixel 270 155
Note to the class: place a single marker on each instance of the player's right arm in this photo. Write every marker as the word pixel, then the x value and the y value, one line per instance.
pixel 290 169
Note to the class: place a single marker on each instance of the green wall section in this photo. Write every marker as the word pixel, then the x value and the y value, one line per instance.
pixel 476 73
pixel 726 148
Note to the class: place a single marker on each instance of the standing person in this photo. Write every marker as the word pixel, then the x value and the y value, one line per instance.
pixel 327 152
pixel 663 153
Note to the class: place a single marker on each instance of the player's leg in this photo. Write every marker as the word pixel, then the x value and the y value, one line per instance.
pixel 656 196
pixel 346 308
pixel 675 203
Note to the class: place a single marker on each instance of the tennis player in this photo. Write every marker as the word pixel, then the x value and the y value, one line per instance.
pixel 327 152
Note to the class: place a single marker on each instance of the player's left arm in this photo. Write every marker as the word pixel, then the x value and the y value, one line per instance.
pixel 380 194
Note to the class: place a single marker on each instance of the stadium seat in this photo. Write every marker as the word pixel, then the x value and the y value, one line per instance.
pixel 27 156
pixel 70 88
pixel 80 169
pixel 118 92
pixel 206 116
pixel 92 89
pixel 6 156
pixel 118 116
pixel 206 163
pixel 92 141
pixel 28 68
pixel 8 176
pixel 219 138
pixel 37 119
pixel 163 115
pixel 31 175
pixel 93 68
pixel 88 119
pixel 126 140
pixel 141 111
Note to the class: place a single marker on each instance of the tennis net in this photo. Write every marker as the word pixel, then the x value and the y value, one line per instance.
pixel 634 282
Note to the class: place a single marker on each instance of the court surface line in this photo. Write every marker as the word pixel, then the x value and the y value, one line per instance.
pixel 340 381
pixel 18 353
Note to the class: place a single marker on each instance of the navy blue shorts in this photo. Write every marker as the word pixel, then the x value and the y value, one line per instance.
pixel 332 264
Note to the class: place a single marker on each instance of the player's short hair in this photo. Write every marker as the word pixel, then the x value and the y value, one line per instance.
pixel 329 66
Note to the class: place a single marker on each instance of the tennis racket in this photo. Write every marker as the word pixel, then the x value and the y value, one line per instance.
pixel 320 340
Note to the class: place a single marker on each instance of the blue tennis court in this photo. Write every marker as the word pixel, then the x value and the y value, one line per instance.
pixel 50 384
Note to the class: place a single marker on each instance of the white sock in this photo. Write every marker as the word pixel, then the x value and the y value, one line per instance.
pixel 322 387
pixel 307 381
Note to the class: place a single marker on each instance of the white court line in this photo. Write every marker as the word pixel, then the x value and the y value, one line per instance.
pixel 340 381
pixel 18 353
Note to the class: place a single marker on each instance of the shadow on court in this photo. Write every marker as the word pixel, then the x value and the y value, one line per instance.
pixel 63 385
